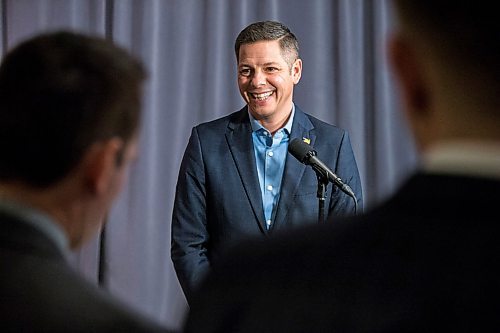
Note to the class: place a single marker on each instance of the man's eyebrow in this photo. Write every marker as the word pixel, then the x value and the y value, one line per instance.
pixel 271 63
pixel 265 64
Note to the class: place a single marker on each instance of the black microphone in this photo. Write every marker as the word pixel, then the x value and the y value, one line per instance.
pixel 307 155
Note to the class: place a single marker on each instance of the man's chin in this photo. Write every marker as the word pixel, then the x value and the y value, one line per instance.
pixel 260 112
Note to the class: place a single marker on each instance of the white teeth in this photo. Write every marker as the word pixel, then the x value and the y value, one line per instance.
pixel 262 96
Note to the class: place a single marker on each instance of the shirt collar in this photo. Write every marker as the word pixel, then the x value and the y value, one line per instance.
pixel 465 158
pixel 38 220
pixel 257 126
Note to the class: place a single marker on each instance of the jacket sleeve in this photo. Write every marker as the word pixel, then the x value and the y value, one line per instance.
pixel 189 219
pixel 346 168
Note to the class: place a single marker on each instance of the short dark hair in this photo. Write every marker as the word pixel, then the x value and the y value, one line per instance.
pixel 269 31
pixel 61 92
pixel 466 32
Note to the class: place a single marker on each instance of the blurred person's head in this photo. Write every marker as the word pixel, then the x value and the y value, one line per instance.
pixel 445 55
pixel 69 116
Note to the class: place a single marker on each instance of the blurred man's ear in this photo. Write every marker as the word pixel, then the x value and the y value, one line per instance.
pixel 414 88
pixel 409 73
pixel 101 163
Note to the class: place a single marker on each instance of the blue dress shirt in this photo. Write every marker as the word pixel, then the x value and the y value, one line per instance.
pixel 270 156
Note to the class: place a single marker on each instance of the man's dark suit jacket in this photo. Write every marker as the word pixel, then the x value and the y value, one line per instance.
pixel 40 292
pixel 427 260
pixel 218 200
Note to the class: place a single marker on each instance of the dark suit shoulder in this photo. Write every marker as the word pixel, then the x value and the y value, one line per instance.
pixel 23 236
pixel 58 299
pixel 231 120
pixel 37 281
pixel 325 132
pixel 318 123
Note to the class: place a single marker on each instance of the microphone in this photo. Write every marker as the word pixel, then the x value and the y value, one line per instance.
pixel 307 155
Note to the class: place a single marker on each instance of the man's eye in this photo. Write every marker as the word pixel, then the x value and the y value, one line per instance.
pixel 272 69
pixel 245 72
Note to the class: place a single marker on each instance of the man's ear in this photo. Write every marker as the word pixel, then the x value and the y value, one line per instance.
pixel 101 162
pixel 409 72
pixel 297 70
pixel 416 89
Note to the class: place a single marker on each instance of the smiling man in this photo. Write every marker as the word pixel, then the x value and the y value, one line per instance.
pixel 236 179
pixel 266 77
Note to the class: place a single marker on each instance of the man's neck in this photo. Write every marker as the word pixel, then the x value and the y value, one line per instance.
pixel 276 122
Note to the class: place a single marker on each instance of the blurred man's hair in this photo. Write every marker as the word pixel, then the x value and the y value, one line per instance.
pixel 59 93
pixel 467 32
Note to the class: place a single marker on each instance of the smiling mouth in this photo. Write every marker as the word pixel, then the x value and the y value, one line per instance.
pixel 262 96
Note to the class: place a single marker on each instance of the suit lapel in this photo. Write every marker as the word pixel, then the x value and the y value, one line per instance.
pixel 239 139
pixel 294 170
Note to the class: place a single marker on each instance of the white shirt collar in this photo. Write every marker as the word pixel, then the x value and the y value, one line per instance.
pixel 38 220
pixel 480 159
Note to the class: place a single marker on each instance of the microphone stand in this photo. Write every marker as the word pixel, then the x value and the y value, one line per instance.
pixel 321 195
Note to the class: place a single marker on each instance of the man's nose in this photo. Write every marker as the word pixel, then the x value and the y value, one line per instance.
pixel 259 79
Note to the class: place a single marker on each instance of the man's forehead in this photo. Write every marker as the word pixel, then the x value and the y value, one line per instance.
pixel 261 52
